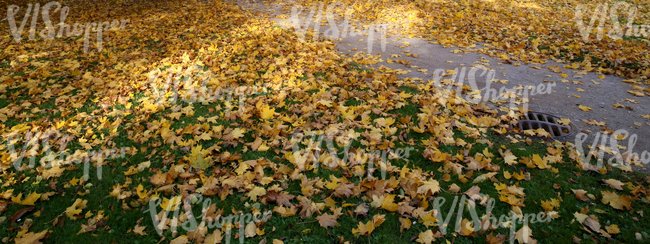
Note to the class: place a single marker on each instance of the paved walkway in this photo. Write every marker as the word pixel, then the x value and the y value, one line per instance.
pixel 564 90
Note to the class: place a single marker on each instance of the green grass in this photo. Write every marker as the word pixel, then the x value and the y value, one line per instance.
pixel 307 230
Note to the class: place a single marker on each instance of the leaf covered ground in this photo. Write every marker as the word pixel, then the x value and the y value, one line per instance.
pixel 160 91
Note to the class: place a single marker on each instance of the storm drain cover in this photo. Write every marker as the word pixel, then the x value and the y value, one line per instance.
pixel 534 120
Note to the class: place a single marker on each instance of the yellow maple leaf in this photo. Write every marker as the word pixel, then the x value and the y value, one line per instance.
pixel 263 147
pixel 74 181
pixel 564 121
pixel 364 229
pixel 584 108
pixel 507 175
pixel 546 205
pixel 235 68
pixel 171 204
pixel 132 170
pixel 466 228
pixel 388 203
pixel 256 192
pixel 216 237
pixel 76 208
pixel 197 158
pixel 510 159
pixel 541 163
pixel 519 176
pixel 405 95
pixel 429 186
pixel 426 237
pixel 238 133
pixel 615 201
pixel 7 193
pixel 31 238
pixel 613 229
pixel 55 171
pixel 428 220
pixel 29 199
pixel 542 133
pixel 614 184
pixel 142 193
pixel 266 112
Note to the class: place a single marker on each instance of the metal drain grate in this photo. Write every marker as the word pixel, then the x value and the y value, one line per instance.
pixel 533 120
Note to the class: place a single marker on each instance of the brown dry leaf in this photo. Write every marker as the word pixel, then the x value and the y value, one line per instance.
pixel 256 144
pixel 159 179
pixel 362 209
pixel 180 240
pixel 576 239
pixel 286 212
pixel 580 194
pixel 3 205
pixel 454 188
pixel 484 177
pixel 405 224
pixel 343 190
pixel 473 191
pixel 281 199
pixel 327 220
pixel 525 235
pixel 492 239
pixel 18 214
pixel 614 184
pixel 250 230
pixel 592 224
pixel 139 230
pixel 213 238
